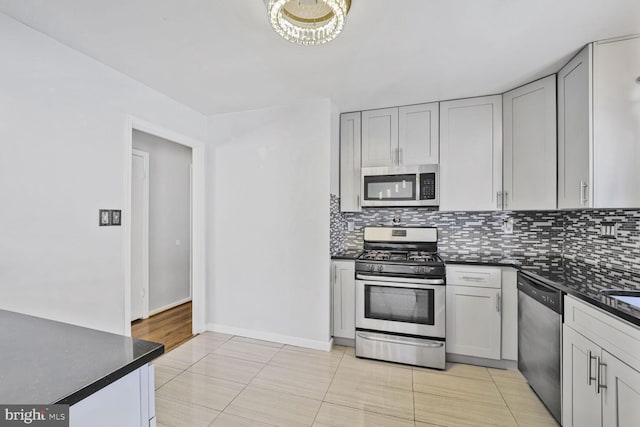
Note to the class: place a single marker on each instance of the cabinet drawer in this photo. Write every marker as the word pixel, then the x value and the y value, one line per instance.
pixel 482 277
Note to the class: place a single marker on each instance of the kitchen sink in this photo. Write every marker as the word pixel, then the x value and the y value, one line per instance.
pixel 629 297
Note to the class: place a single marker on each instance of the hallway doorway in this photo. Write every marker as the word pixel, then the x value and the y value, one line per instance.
pixel 161 239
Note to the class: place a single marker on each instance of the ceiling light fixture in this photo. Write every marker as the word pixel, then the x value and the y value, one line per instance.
pixel 308 22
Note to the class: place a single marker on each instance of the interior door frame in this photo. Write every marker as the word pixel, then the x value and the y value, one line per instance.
pixel 197 217
pixel 145 231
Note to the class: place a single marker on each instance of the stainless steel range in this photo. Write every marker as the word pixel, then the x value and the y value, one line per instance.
pixel 400 297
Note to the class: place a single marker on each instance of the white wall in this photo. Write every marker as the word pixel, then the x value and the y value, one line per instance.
pixel 169 219
pixel 62 121
pixel 269 252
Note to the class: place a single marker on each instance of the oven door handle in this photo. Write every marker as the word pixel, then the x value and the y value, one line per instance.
pixel 407 341
pixel 400 280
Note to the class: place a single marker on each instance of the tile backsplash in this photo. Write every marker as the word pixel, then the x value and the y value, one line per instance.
pixel 572 234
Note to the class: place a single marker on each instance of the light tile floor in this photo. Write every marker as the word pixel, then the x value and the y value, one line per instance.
pixel 223 380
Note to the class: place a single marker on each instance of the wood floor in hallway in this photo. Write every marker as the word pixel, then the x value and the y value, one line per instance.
pixel 171 327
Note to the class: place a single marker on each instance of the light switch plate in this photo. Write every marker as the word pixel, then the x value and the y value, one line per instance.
pixel 104 217
pixel 609 230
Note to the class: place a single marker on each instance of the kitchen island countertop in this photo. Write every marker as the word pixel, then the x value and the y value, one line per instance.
pixel 46 362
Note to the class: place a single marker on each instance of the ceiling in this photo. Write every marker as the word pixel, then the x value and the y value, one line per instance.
pixel 221 55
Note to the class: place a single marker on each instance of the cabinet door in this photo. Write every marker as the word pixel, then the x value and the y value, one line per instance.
pixel 473 321
pixel 118 404
pixel 419 139
pixel 621 398
pixel 530 160
pixel 616 126
pixel 471 154
pixel 344 299
pixel 380 137
pixel 581 406
pixel 574 132
pixel 350 162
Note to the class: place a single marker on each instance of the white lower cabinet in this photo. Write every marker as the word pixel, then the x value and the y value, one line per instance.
pixel 581 403
pixel 129 401
pixel 600 368
pixel 621 400
pixel 343 289
pixel 473 310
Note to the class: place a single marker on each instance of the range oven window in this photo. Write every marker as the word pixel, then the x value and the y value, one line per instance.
pixel 390 187
pixel 408 305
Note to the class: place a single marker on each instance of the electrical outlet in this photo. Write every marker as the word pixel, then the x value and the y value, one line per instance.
pixel 507 225
pixel 609 230
pixel 351 226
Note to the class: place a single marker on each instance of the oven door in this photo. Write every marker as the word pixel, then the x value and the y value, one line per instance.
pixel 401 306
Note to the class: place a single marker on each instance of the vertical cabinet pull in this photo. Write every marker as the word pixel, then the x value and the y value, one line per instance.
pixel 599 382
pixel 584 198
pixel 400 156
pixel 499 200
pixel 505 202
pixel 498 303
pixel 589 376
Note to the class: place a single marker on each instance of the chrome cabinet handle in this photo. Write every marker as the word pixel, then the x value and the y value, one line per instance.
pixel 358 200
pixel 583 193
pixel 599 384
pixel 498 302
pixel 400 156
pixel 472 279
pixel 400 341
pixel 590 358
pixel 505 200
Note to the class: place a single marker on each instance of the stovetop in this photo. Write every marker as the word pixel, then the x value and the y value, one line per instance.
pixel 420 257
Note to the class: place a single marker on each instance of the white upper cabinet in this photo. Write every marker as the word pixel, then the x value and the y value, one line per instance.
pixel 380 137
pixel 599 127
pixel 574 132
pixel 530 161
pixel 616 126
pixel 419 140
pixel 405 136
pixel 471 154
pixel 350 162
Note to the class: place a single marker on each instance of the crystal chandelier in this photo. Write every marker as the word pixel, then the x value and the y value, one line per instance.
pixel 308 22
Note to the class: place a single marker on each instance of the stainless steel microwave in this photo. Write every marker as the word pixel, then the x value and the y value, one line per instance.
pixel 400 186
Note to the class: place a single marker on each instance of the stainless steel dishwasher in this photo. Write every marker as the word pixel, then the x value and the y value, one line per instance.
pixel 540 340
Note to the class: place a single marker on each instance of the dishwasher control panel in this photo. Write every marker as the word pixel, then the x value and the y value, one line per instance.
pixel 541 292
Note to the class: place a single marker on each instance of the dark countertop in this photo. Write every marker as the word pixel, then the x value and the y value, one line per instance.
pixel 579 278
pixel 44 362
pixel 347 255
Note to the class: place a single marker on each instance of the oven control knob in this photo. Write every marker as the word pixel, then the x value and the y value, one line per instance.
pixel 372 268
pixel 380 268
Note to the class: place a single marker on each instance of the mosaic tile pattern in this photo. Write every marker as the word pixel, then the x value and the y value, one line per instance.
pixel 583 242
pixel 338 227
pixel 570 235
pixel 471 233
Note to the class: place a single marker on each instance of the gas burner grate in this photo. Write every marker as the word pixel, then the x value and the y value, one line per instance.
pixel 377 255
pixel 419 256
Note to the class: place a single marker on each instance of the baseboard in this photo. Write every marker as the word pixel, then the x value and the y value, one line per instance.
pixel 167 307
pixel 481 361
pixel 268 336
pixel 345 342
